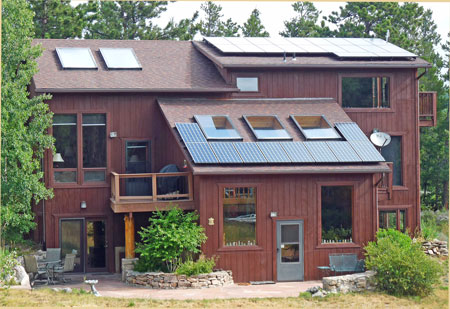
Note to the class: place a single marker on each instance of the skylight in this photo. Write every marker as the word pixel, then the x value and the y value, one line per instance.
pixel 120 58
pixel 76 58
pixel 217 127
pixel 267 127
pixel 315 127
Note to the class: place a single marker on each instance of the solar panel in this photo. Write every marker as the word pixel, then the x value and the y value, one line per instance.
pixel 274 152
pixel 120 58
pixel 366 151
pixel 250 152
pixel 225 152
pixel 201 153
pixel 297 152
pixel 343 151
pixel 351 131
pixel 76 58
pixel 190 132
pixel 320 152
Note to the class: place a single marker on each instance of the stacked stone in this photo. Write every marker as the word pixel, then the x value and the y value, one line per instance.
pixel 158 280
pixel 350 283
pixel 435 247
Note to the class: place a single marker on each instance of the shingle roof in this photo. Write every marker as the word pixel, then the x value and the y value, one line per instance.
pixel 266 61
pixel 167 66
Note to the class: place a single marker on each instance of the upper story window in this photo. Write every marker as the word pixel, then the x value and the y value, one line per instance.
pixel 393 153
pixel 365 92
pixel 315 127
pixel 65 162
pixel 337 226
pixel 217 127
pixel 247 84
pixel 267 127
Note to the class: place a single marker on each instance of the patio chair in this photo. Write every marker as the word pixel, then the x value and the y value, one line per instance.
pixel 53 254
pixel 31 267
pixel 69 264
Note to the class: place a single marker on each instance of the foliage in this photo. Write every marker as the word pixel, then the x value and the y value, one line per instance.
pixel 336 233
pixel 254 27
pixel 434 224
pixel 24 124
pixel 213 25
pixel 201 266
pixel 7 263
pixel 168 235
pixel 305 23
pixel 402 268
pixel 185 29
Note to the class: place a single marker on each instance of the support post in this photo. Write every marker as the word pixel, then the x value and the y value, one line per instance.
pixel 129 236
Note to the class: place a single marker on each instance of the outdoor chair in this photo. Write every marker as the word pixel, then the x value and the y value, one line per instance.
pixel 69 264
pixel 53 254
pixel 31 267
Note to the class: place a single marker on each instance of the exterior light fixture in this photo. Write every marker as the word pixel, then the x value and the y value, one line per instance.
pixel 57 158
pixel 112 134
pixel 211 221
pixel 273 214
pixel 83 205
pixel 185 164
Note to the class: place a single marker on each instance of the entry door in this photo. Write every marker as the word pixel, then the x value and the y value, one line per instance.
pixel 137 160
pixel 290 263
pixel 96 245
pixel 71 240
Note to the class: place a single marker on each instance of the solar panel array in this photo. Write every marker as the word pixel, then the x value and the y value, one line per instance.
pixel 357 149
pixel 341 47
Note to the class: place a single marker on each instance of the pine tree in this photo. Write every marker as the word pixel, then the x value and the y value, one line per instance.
pixel 254 27
pixel 183 30
pixel 305 24
pixel 213 25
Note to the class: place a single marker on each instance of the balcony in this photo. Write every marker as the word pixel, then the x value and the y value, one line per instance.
pixel 427 109
pixel 151 191
pixel 384 188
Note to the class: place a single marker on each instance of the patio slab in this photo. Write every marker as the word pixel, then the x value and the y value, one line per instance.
pixel 111 286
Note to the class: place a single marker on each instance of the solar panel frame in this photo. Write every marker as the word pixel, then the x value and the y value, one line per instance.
pixel 190 132
pixel 201 153
pixel 321 152
pixel 250 152
pixel 67 63
pixel 351 131
pixel 110 62
pixel 367 151
pixel 226 152
pixel 343 151
pixel 297 152
pixel 273 152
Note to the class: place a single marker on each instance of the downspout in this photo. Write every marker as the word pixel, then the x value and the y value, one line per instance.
pixel 44 245
pixel 423 73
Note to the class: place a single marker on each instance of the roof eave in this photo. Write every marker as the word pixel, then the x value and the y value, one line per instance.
pixel 128 90
pixel 337 66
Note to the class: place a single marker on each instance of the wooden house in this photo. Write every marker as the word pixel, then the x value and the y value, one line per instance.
pixel 268 139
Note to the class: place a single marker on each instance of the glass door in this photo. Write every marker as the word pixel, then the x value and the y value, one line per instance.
pixel 290 250
pixel 137 156
pixel 71 241
pixel 96 245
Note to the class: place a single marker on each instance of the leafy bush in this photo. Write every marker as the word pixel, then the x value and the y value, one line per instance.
pixel 7 263
pixel 168 235
pixel 201 266
pixel 434 224
pixel 402 268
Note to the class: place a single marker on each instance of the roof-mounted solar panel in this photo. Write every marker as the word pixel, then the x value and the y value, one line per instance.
pixel 76 58
pixel 321 152
pixel 366 151
pixel 225 152
pixel 201 153
pixel 120 58
pixel 273 152
pixel 250 152
pixel 190 132
pixel 297 152
pixel 343 151
pixel 351 131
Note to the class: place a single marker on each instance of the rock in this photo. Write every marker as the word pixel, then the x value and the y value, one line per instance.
pixel 430 252
pixel 67 290
pixel 56 289
pixel 313 289
pixel 22 277
pixel 318 294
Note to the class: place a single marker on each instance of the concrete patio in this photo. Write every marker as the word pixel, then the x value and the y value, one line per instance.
pixel 111 286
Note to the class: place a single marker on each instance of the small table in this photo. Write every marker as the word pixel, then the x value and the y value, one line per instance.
pixel 50 265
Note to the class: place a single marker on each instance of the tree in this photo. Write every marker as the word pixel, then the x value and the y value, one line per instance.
pixel 254 27
pixel 213 25
pixel 56 19
pixel 24 124
pixel 305 24
pixel 122 20
pixel 183 31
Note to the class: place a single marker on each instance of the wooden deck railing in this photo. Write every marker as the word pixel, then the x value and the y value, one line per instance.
pixel 427 109
pixel 118 194
pixel 385 185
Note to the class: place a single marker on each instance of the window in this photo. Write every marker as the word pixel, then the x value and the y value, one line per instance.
pixel 120 58
pixel 393 219
pixel 217 127
pixel 336 214
pixel 247 84
pixel 93 148
pixel 315 127
pixel 239 216
pixel 267 127
pixel 76 58
pixel 393 153
pixel 365 92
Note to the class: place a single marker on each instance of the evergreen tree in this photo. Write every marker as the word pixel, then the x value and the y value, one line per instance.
pixel 213 25
pixel 254 27
pixel 183 31
pixel 305 24
pixel 24 124
pixel 230 28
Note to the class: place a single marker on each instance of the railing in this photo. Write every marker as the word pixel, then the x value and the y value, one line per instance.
pixel 148 186
pixel 385 185
pixel 427 108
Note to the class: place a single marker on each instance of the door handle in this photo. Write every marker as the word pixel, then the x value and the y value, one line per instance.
pixel 106 244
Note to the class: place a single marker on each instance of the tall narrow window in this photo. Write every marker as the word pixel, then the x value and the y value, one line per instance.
pixel 94 146
pixel 393 219
pixel 365 92
pixel 393 153
pixel 336 214
pixel 239 216
pixel 65 159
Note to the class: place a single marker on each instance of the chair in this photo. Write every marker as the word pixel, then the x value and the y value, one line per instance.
pixel 53 254
pixel 69 264
pixel 31 267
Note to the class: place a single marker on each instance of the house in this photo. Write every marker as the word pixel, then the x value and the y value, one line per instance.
pixel 268 139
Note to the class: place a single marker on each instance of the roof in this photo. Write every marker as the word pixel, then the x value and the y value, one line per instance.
pixel 167 66
pixel 182 110
pixel 276 61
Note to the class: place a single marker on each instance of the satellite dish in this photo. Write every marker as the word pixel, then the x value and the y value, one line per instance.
pixel 380 139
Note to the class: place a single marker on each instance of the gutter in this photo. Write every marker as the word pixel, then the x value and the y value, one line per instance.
pixel 134 90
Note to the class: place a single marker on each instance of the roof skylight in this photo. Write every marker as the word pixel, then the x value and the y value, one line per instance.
pixel 76 58
pixel 315 127
pixel 217 127
pixel 267 127
pixel 120 58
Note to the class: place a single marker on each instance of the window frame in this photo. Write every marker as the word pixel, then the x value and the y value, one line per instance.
pixel 397 209
pixel 80 169
pixel 239 93
pixel 218 138
pixel 258 224
pixel 402 135
pixel 293 118
pixel 289 137
pixel 355 236
pixel 390 109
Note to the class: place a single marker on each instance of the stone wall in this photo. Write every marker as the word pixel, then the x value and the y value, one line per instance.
pixel 350 283
pixel 435 247
pixel 155 280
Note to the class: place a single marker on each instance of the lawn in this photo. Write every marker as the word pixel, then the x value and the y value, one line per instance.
pixel 48 298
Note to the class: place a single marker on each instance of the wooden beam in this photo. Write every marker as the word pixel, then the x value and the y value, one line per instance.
pixel 129 236
pixel 149 205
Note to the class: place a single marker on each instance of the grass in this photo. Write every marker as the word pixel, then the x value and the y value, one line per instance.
pixel 49 298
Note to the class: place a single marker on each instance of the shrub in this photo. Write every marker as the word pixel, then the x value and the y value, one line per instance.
pixel 7 263
pixel 402 268
pixel 168 235
pixel 201 266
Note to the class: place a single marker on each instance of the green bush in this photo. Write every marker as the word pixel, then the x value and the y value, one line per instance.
pixel 201 266
pixel 168 235
pixel 402 268
pixel 7 263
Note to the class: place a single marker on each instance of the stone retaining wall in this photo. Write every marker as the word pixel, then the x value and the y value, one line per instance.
pixel 350 283
pixel 435 247
pixel 155 280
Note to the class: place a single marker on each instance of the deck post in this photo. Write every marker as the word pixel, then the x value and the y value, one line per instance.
pixel 129 236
